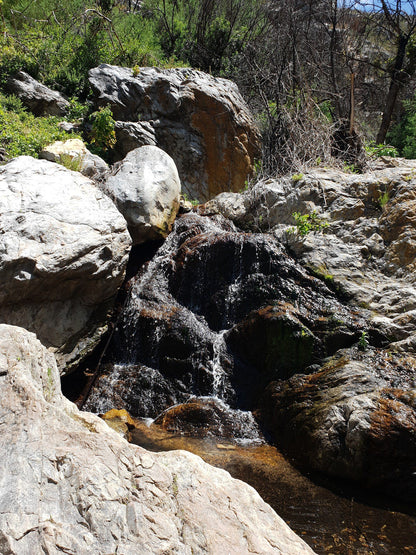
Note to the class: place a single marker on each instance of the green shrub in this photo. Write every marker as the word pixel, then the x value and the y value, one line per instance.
pixel 21 133
pixel 381 150
pixel 102 136
pixel 403 134
pixel 305 223
pixel 363 342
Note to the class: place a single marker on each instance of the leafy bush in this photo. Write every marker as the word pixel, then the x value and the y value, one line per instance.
pixel 381 150
pixel 305 223
pixel 403 134
pixel 103 135
pixel 21 133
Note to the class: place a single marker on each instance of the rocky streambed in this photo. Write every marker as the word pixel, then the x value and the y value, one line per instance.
pixel 236 324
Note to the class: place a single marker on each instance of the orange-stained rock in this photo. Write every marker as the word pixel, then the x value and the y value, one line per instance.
pixel 354 418
pixel 201 121
pixel 120 421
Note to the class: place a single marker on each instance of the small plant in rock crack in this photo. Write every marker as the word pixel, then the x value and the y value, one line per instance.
pixel 305 223
pixel 363 342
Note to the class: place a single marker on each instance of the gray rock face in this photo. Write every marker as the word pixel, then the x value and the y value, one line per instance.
pixel 73 152
pixel 368 250
pixel 146 189
pixel 131 135
pixel 68 483
pixel 199 120
pixel 38 98
pixel 63 251
pixel 355 416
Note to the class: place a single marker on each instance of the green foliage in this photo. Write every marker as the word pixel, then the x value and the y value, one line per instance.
pixel 403 134
pixel 363 342
pixel 73 163
pixel 351 168
pixel 205 33
pixel 305 223
pixel 297 177
pixel 21 133
pixel 381 150
pixel 193 201
pixel 77 110
pixel 383 199
pixel 103 135
pixel 59 42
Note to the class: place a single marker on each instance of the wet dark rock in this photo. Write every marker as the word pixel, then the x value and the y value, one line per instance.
pixel 136 388
pixel 208 417
pixel 275 341
pixel 354 418
pixel 208 278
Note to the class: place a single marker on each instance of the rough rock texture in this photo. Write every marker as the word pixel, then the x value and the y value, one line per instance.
pixel 145 187
pixel 367 253
pixel 210 315
pixel 201 121
pixel 38 98
pixel 74 153
pixel 63 251
pixel 68 483
pixel 208 416
pixel 355 417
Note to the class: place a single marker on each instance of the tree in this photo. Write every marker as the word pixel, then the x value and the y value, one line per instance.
pixel 395 22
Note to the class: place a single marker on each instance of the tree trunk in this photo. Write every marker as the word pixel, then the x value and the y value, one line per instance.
pixel 394 89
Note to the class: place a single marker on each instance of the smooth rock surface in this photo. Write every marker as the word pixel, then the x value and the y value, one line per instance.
pixel 38 98
pixel 68 483
pixel 145 186
pixel 199 120
pixel 63 252
pixel 75 154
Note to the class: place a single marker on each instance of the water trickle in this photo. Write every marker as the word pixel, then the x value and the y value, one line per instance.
pixel 173 339
pixel 219 349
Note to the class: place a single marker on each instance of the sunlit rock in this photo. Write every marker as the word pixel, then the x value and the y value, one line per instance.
pixel 68 483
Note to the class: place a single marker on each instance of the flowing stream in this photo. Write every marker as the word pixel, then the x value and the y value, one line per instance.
pixel 192 352
pixel 347 522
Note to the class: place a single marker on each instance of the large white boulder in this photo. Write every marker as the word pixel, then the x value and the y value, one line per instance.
pixel 70 484
pixel 145 187
pixel 63 252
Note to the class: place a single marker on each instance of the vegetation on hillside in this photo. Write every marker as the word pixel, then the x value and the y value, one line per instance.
pixel 322 76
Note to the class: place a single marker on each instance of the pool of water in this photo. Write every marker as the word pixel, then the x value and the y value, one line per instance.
pixel 346 522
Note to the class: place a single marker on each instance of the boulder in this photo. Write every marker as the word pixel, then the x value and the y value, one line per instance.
pixel 63 252
pixel 367 252
pixel 68 483
pixel 131 135
pixel 355 417
pixel 199 120
pixel 38 98
pixel 74 155
pixel 145 186
pixel 208 416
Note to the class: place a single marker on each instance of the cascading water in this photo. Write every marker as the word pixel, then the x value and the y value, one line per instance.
pixel 185 332
pixel 214 317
